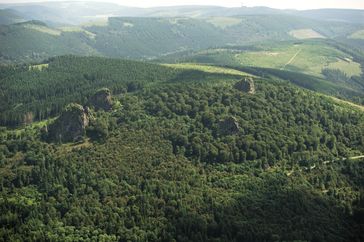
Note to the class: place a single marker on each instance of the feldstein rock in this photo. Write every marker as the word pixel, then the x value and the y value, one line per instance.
pixel 101 100
pixel 246 85
pixel 70 125
pixel 229 126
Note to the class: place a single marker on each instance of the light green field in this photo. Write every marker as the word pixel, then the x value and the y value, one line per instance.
pixel 39 67
pixel 127 24
pixel 306 34
pixel 343 103
pixel 224 22
pixel 349 66
pixel 43 29
pixel 78 29
pixel 307 58
pixel 357 35
pixel 100 22
pixel 30 128
pixel 207 68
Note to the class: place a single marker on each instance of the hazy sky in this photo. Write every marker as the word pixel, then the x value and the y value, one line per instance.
pixel 295 4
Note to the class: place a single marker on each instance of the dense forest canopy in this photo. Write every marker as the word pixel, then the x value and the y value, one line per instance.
pixel 161 165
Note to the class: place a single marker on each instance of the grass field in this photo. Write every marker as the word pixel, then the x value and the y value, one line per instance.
pixel 100 22
pixel 78 29
pixel 304 57
pixel 344 102
pixel 39 67
pixel 358 35
pixel 224 22
pixel 43 29
pixel 207 68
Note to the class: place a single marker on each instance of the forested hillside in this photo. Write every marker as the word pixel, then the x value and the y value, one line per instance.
pixel 187 155
pixel 43 92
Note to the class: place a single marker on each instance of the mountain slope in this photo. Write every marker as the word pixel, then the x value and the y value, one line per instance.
pixel 33 40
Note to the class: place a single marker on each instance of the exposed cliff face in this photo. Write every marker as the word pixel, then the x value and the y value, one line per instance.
pixel 246 85
pixel 229 126
pixel 101 100
pixel 71 125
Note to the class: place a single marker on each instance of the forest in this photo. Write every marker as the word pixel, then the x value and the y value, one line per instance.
pixel 186 156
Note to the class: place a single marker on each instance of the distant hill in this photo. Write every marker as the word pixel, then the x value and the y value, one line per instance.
pixel 9 16
pixel 137 37
pixel 338 15
pixel 81 12
pixel 34 40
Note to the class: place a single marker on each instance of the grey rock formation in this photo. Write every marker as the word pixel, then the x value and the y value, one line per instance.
pixel 70 125
pixel 246 85
pixel 229 126
pixel 101 100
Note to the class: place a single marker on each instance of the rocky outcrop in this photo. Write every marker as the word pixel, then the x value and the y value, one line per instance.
pixel 246 85
pixel 101 100
pixel 229 126
pixel 71 124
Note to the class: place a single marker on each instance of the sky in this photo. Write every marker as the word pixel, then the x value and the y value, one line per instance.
pixel 281 4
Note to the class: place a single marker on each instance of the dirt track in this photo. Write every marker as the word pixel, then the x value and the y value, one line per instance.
pixel 292 59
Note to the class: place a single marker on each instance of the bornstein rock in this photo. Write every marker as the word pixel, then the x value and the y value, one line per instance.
pixel 229 126
pixel 101 100
pixel 246 85
pixel 71 124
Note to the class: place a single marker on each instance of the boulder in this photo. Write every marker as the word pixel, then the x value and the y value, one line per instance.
pixel 70 126
pixel 229 126
pixel 246 85
pixel 101 100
